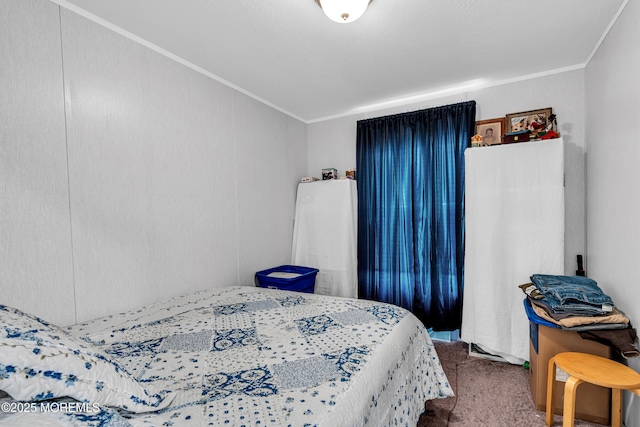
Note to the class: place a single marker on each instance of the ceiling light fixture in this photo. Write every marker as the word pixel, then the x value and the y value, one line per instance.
pixel 343 11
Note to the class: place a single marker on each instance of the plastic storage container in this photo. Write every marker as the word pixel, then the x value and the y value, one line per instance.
pixel 288 278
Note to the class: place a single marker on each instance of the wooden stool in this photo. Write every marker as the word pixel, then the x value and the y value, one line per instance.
pixel 582 367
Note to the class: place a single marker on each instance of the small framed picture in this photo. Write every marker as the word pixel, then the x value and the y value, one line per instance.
pixel 490 130
pixel 537 119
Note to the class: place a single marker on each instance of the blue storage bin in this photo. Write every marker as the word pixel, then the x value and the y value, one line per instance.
pixel 534 321
pixel 288 278
pixel 534 318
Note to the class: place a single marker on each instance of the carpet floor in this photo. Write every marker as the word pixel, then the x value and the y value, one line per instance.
pixel 487 393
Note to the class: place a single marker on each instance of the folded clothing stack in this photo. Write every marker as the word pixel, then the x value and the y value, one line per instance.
pixel 577 303
pixel 573 302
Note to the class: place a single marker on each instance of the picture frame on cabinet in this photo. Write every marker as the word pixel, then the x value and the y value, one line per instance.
pixel 526 120
pixel 491 130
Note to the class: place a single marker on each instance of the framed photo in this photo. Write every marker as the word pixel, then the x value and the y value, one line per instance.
pixel 491 130
pixel 522 121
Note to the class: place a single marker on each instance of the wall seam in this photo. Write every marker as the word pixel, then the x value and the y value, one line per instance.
pixel 66 146
pixel 235 185
pixel 585 176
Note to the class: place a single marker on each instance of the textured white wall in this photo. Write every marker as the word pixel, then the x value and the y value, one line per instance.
pixel 332 143
pixel 36 267
pixel 270 164
pixel 613 175
pixel 166 181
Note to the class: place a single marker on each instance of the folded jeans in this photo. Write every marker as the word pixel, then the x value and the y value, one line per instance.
pixel 580 292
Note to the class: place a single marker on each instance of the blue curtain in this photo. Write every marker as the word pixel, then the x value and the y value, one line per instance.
pixel 411 211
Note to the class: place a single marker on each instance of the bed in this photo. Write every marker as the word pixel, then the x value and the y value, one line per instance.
pixel 226 357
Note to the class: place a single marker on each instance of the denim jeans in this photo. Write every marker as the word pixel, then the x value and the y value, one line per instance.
pixel 575 294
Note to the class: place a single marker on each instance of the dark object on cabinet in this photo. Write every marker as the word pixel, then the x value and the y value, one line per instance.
pixel 519 136
pixel 580 270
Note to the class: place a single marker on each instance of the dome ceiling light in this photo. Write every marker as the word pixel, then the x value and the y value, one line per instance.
pixel 343 11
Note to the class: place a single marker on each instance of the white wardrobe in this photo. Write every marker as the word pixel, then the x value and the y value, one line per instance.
pixel 325 235
pixel 514 204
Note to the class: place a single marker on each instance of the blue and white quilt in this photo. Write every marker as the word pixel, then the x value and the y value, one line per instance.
pixel 245 356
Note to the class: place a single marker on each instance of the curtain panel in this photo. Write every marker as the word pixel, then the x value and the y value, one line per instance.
pixel 411 210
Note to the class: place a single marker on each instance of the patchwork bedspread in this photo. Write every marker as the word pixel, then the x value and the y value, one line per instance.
pixel 245 356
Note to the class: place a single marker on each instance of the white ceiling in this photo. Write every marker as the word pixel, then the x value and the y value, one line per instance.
pixel 287 54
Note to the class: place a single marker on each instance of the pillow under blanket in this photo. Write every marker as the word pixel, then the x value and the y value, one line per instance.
pixel 40 361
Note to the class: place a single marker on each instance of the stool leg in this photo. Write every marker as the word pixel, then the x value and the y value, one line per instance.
pixel 616 407
pixel 551 376
pixel 569 408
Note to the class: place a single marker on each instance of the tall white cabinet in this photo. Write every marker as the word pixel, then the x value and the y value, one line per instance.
pixel 325 235
pixel 514 204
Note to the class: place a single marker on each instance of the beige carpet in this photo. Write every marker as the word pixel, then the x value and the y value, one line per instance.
pixel 488 394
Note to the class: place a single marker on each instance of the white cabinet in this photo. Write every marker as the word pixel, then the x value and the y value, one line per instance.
pixel 514 227
pixel 325 235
